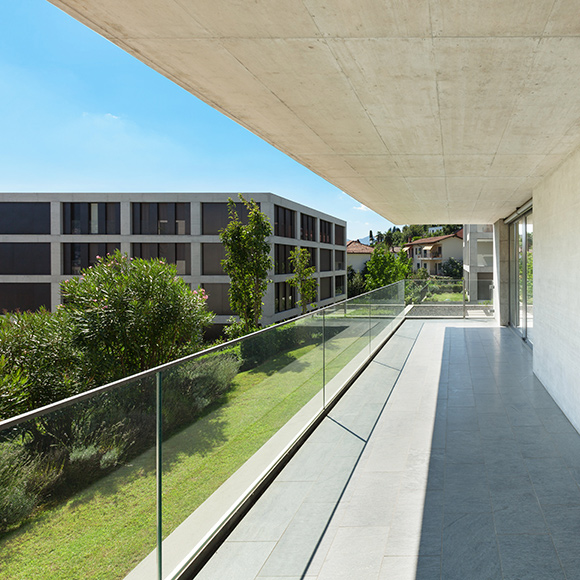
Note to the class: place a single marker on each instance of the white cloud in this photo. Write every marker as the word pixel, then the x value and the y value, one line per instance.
pixel 362 207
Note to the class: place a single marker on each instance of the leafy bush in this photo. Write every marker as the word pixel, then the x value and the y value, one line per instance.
pixel 130 315
pixel 191 387
pixel 452 268
pixel 17 500
pixel 40 364
pixel 23 479
pixel 13 390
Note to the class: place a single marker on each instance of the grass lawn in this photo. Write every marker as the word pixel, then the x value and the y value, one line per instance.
pixel 445 297
pixel 106 530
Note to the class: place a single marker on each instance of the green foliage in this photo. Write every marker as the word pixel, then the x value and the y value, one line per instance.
pixel 17 497
pixel 355 281
pixel 130 315
pixel 247 263
pixel 452 268
pixel 421 274
pixel 193 386
pixel 303 279
pixel 13 390
pixel 385 268
pixel 40 364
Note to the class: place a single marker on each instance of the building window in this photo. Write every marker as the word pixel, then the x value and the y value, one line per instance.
pixel 325 260
pixel 325 232
pixel 24 218
pixel 211 259
pixel 161 219
pixel 325 288
pixel 284 222
pixel 285 297
pixel 282 259
pixel 338 285
pixel 215 216
pixel 339 260
pixel 339 235
pixel 91 218
pixel 218 300
pixel 77 257
pixel 24 258
pixel 25 296
pixel 307 227
pixel 178 254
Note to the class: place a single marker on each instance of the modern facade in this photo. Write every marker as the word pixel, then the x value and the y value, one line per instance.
pixel 478 261
pixel 431 253
pixel 46 238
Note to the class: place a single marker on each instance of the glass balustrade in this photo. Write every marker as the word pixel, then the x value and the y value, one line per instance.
pixel 123 480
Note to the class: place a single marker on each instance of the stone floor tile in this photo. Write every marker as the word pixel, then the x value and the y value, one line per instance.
pixel 532 557
pixel 411 568
pixel 553 482
pixel 517 511
pixel 469 548
pixel 237 561
pixel 355 553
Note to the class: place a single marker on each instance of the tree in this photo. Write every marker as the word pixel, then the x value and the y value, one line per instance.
pixel 355 281
pixel 450 228
pixel 385 268
pixel 452 268
pixel 247 263
pixel 129 315
pixel 371 238
pixel 303 279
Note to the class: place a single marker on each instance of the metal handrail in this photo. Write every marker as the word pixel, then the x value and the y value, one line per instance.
pixel 18 419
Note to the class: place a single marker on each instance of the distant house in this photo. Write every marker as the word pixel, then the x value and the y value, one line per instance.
pixel 430 253
pixel 357 254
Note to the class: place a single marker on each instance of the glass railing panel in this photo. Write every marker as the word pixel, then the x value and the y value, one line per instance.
pixel 347 340
pixel 439 298
pixel 220 408
pixel 387 304
pixel 77 488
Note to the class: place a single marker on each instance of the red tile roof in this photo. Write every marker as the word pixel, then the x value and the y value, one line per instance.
pixel 356 247
pixel 434 240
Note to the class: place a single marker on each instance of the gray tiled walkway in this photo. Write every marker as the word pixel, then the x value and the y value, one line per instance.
pixel 447 459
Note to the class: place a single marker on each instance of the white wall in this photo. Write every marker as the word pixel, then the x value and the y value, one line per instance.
pixel 557 286
pixel 452 248
pixel 357 261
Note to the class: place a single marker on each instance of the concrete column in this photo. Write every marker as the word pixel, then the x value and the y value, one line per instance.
pixel 125 218
pixel 501 272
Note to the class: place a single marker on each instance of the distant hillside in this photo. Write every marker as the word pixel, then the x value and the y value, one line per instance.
pixel 363 240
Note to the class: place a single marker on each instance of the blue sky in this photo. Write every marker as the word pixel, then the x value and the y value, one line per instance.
pixel 79 114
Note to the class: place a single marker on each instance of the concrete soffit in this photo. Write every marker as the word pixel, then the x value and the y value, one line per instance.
pixel 430 111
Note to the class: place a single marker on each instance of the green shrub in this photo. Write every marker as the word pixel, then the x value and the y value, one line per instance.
pixel 13 390
pixel 130 315
pixel 22 480
pixel 193 386
pixel 40 363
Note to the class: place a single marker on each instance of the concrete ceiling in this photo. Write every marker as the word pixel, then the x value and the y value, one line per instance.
pixel 423 110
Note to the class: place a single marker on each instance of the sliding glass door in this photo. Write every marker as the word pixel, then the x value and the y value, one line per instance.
pixel 522 276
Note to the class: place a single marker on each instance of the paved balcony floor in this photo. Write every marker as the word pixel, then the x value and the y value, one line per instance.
pixel 447 459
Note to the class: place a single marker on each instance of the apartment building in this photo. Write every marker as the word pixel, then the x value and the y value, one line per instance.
pixel 431 253
pixel 47 237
